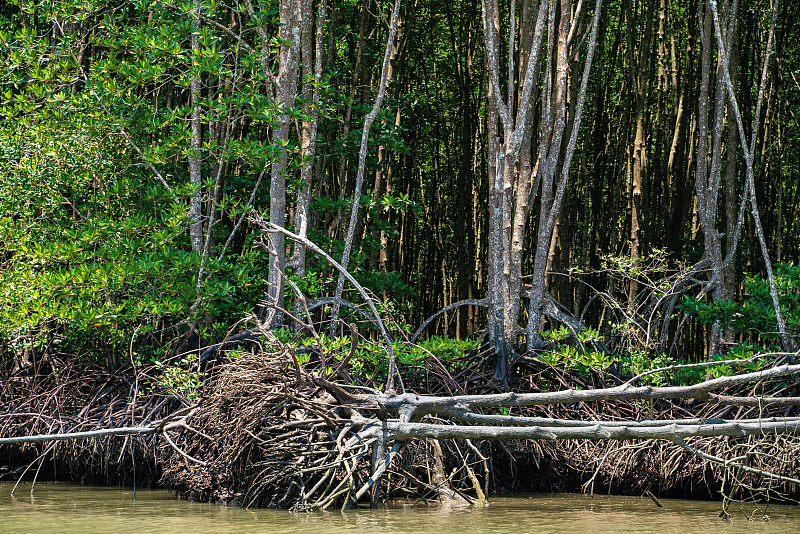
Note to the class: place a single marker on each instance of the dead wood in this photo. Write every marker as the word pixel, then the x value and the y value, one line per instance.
pixel 268 432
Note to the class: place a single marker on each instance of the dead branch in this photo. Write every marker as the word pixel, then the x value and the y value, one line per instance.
pixel 173 421
pixel 423 405
pixel 429 320
pixel 733 463
pixel 598 431
pixel 270 227
pixel 102 433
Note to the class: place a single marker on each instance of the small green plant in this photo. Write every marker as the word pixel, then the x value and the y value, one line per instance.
pixel 550 357
pixel 597 359
pixel 589 335
pixel 576 354
pixel 184 377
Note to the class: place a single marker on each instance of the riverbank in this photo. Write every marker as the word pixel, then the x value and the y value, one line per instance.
pixel 258 437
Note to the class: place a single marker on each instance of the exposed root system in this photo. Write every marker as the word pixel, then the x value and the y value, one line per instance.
pixel 267 434
pixel 78 399
pixel 269 437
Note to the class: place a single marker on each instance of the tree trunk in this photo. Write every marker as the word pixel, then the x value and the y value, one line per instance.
pixel 195 159
pixel 286 88
pixel 308 133
pixel 362 157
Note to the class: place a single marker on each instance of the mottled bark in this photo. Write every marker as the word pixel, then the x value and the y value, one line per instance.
pixel 285 91
pixel 195 159
pixel 639 62
pixel 503 157
pixel 549 210
pixel 308 132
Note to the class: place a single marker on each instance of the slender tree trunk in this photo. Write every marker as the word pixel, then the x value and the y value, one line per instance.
pixel 308 133
pixel 679 160
pixel 730 273
pixel 494 293
pixel 748 156
pixel 464 228
pixel 548 217
pixel 639 62
pixel 525 187
pixel 195 159
pixel 549 151
pixel 286 88
pixel 362 160
pixel 341 175
pixel 708 192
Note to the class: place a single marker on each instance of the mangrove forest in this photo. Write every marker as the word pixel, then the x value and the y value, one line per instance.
pixel 326 254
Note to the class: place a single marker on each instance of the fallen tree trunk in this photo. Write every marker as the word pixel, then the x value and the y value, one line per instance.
pixel 640 430
pixel 523 428
pixel 425 405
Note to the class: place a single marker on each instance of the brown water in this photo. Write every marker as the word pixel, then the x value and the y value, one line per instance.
pixel 56 508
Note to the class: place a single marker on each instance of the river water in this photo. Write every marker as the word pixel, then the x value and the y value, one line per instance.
pixel 56 508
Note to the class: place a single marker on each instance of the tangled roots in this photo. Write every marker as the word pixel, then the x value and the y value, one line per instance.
pixel 269 437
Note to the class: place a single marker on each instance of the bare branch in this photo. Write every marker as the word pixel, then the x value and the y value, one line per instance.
pixel 730 463
pixel 429 320
pixel 122 431
pixel 598 431
pixel 270 227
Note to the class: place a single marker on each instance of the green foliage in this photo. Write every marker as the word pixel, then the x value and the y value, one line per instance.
pixel 376 214
pixel 98 251
pixel 183 377
pixel 369 364
pixel 96 140
pixel 755 316
pixel 309 285
pixel 650 264
pixel 557 334
pixel 574 352
pixel 576 355
pixel 91 243
pixel 96 107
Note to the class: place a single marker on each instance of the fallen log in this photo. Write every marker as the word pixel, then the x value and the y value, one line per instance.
pixel 396 430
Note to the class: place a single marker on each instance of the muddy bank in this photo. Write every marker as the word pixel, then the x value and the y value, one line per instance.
pixel 266 435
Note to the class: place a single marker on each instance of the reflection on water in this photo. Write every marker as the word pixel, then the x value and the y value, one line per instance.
pixel 64 508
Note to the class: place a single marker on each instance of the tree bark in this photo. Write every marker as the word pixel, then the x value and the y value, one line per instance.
pixel 308 133
pixel 550 208
pixel 286 89
pixel 748 156
pixel 195 159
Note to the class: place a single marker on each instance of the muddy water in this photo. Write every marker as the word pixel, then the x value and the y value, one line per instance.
pixel 62 508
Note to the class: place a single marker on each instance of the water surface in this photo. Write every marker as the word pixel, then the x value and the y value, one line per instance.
pixel 65 508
